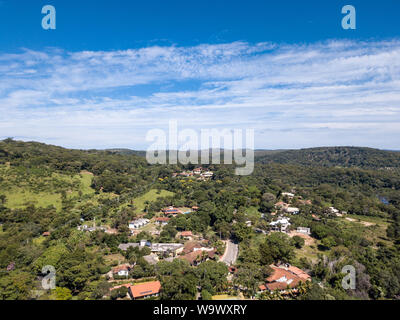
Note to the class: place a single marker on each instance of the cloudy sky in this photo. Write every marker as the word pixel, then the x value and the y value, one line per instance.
pixel 335 90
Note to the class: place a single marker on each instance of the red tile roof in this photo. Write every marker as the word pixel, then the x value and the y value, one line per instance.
pixel 190 246
pixel 193 256
pixel 186 233
pixel 288 277
pixel 162 219
pixel 145 289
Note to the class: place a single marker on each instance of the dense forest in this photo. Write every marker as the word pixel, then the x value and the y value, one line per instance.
pixel 49 189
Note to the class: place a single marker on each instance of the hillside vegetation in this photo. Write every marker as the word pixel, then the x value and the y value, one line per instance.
pixel 48 189
pixel 334 156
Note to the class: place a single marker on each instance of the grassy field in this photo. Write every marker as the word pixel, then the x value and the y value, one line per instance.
pixel 150 196
pixel 310 252
pixel 22 194
pixel 371 228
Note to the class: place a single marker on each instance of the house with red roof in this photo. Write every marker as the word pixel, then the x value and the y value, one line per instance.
pixel 162 220
pixel 285 279
pixel 145 290
pixel 170 211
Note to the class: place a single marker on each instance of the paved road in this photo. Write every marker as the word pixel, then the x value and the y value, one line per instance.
pixel 231 253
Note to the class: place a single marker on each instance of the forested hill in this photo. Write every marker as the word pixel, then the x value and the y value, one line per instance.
pixel 35 154
pixel 334 156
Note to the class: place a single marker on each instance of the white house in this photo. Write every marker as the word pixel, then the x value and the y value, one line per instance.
pixel 281 224
pixel 136 224
pixel 288 194
pixel 121 270
pixel 292 210
pixel 207 174
pixel 303 230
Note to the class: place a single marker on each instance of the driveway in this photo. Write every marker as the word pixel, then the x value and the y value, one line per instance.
pixel 231 253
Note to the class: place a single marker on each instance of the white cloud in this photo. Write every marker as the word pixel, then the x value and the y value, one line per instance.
pixel 331 93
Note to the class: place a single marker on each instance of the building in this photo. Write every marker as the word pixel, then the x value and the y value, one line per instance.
pixel 292 210
pixel 191 246
pixel 187 235
pixel 121 270
pixel 136 224
pixel 151 259
pixel 171 248
pixel 171 211
pixel 46 234
pixel 282 224
pixel 198 256
pixel 207 174
pixel 162 220
pixel 160 248
pixel 303 230
pixel 197 170
pixel 333 210
pixel 288 194
pixel 145 290
pixel 284 278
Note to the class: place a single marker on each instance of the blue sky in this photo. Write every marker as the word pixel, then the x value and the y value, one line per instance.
pixel 112 70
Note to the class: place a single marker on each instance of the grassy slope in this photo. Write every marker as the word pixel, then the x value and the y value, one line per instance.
pixel 150 196
pixel 20 195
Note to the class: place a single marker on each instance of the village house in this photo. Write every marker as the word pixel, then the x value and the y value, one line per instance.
pixel 121 270
pixel 145 290
pixel 197 171
pixel 303 230
pixel 159 248
pixel 190 246
pixel 285 279
pixel 288 194
pixel 171 211
pixel 46 234
pixel 198 256
pixel 334 211
pixel 163 221
pixel 282 224
pixel 207 174
pixel 151 259
pixel 136 224
pixel 292 210
pixel 186 235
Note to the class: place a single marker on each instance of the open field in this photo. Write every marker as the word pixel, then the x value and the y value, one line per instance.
pixel 24 193
pixel 152 195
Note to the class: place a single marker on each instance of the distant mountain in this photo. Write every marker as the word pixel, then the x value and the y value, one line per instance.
pixel 333 156
pixel 127 151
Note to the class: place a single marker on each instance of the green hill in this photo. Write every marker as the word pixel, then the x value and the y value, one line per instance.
pixel 334 156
